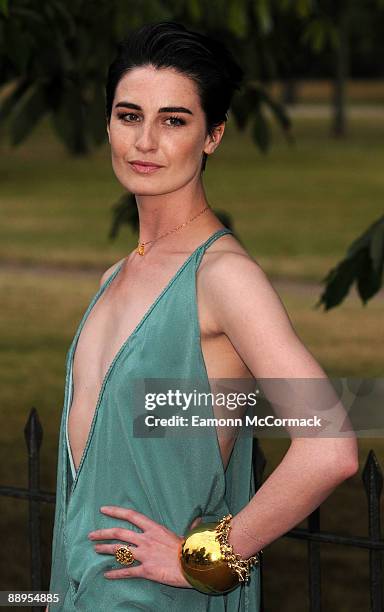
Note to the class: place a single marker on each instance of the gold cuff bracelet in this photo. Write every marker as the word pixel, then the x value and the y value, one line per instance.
pixel 208 561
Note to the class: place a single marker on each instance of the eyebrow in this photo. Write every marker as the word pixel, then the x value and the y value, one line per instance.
pixel 164 109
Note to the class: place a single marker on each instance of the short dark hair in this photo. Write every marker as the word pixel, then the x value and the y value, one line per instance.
pixel 168 44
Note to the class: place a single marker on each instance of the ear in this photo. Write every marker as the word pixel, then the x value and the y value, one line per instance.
pixel 108 132
pixel 213 141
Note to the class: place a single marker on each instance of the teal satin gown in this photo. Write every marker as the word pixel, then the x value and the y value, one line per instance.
pixel 170 479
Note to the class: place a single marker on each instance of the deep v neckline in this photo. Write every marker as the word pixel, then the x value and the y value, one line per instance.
pixel 123 346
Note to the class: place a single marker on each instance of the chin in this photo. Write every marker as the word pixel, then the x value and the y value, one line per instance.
pixel 151 186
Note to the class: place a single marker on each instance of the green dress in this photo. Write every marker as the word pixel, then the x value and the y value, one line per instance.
pixel 172 479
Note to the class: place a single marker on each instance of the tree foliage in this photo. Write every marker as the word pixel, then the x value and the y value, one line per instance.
pixel 54 57
pixel 362 264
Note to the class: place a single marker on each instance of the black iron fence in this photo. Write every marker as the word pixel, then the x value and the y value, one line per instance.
pixel 373 484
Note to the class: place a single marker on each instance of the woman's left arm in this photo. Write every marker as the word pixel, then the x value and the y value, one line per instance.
pixel 249 311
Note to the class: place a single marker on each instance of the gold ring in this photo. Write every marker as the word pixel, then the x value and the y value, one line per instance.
pixel 124 555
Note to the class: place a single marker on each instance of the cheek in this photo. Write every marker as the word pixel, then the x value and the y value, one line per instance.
pixel 120 143
pixel 183 148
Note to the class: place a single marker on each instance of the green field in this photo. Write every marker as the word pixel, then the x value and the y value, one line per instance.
pixel 296 210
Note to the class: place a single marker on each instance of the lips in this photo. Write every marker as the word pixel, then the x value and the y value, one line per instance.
pixel 138 162
pixel 143 167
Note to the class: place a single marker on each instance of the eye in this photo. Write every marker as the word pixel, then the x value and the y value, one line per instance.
pixel 127 117
pixel 134 118
pixel 177 121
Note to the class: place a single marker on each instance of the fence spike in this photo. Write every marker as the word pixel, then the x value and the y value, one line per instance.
pixel 33 432
pixel 372 474
pixel 373 483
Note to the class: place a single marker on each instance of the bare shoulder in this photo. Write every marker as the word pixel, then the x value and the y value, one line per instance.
pixel 227 266
pixel 240 300
pixel 227 254
pixel 242 303
pixel 110 271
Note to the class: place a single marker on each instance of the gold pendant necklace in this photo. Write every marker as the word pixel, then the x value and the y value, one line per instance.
pixel 140 249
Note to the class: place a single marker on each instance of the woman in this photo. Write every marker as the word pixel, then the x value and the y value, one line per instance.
pixel 188 303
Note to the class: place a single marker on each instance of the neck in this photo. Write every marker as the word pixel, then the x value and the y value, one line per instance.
pixel 161 213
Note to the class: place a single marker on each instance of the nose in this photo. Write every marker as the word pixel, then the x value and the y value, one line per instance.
pixel 146 138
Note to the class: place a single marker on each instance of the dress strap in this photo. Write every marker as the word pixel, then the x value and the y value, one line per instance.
pixel 203 247
pixel 217 234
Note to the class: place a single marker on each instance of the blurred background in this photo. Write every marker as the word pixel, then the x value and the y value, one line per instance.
pixel 299 176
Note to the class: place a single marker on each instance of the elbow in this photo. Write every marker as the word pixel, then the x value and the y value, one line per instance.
pixel 345 463
pixel 352 465
pixel 341 470
pixel 337 459
pixel 348 466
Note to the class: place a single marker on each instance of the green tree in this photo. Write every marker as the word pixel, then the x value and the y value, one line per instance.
pixel 332 26
pixel 336 23
pixel 54 60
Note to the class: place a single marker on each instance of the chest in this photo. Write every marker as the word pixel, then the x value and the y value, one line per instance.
pixel 123 308
pixel 150 329
pixel 117 314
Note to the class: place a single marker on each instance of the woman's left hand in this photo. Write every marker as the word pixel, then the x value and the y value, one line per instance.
pixel 156 548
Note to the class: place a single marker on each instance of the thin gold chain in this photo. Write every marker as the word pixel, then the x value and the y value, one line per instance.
pixel 242 567
pixel 140 246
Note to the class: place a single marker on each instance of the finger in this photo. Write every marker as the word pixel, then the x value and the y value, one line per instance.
pixel 128 514
pixel 116 533
pixel 126 572
pixel 196 522
pixel 110 549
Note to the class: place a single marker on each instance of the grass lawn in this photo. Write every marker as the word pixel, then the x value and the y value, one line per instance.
pixel 296 210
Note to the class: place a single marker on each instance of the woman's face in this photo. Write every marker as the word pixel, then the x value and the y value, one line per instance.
pixel 157 117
